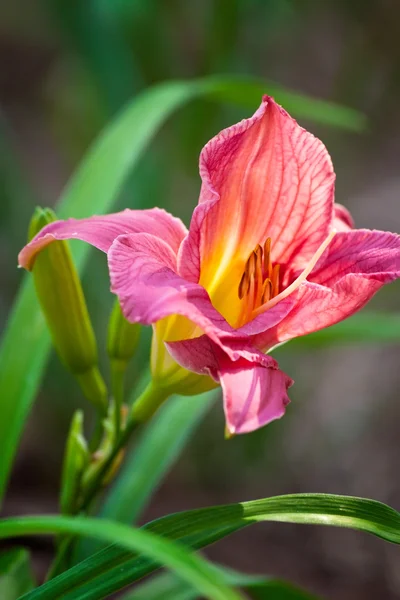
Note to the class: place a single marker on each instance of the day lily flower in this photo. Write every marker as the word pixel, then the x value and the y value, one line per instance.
pixel 268 257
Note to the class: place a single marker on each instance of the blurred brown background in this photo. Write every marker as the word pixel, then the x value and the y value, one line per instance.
pixel 66 66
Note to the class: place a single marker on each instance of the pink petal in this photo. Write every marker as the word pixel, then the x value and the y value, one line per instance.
pixel 254 394
pixel 101 231
pixel 269 318
pixel 254 389
pixel 342 221
pixel 371 254
pixel 265 176
pixel 189 257
pixel 143 275
pixel 354 267
pixel 199 355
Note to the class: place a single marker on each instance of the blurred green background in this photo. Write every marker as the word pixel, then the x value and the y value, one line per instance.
pixel 68 66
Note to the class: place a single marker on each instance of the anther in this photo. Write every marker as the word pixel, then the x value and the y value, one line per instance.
pixel 258 251
pixel 275 280
pixel 267 257
pixel 244 285
pixel 297 282
pixel 266 291
pixel 251 264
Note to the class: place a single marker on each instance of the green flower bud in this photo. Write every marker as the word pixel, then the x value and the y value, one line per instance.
pixel 61 298
pixel 123 339
pixel 103 465
pixel 76 460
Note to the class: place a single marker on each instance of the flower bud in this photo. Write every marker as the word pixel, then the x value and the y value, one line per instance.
pixel 123 337
pixel 61 298
pixel 75 462
pixel 101 457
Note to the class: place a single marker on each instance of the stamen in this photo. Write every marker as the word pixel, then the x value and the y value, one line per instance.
pixel 258 275
pixel 251 264
pixel 249 269
pixel 244 285
pixel 258 251
pixel 291 288
pixel 250 301
pixel 267 257
pixel 267 291
pixel 275 280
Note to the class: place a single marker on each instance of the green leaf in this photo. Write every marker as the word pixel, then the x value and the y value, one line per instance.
pixel 111 569
pixel 156 451
pixel 249 90
pixel 193 569
pixel 278 590
pixel 16 576
pixel 168 587
pixel 110 578
pixel 94 189
pixel 92 30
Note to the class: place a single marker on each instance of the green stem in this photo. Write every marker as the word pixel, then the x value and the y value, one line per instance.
pixel 94 388
pixel 148 403
pixel 117 388
pixel 96 484
pixel 97 434
pixel 143 409
pixel 63 555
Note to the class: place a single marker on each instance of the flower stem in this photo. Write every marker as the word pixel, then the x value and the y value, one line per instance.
pixel 117 389
pixel 62 558
pixel 148 403
pixel 143 409
pixel 97 434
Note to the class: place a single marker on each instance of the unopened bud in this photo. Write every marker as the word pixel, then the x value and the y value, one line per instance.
pixel 75 462
pixel 61 298
pixel 103 465
pixel 123 337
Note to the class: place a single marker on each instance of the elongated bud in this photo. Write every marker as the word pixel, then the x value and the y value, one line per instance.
pixel 103 454
pixel 76 460
pixel 61 298
pixel 123 339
